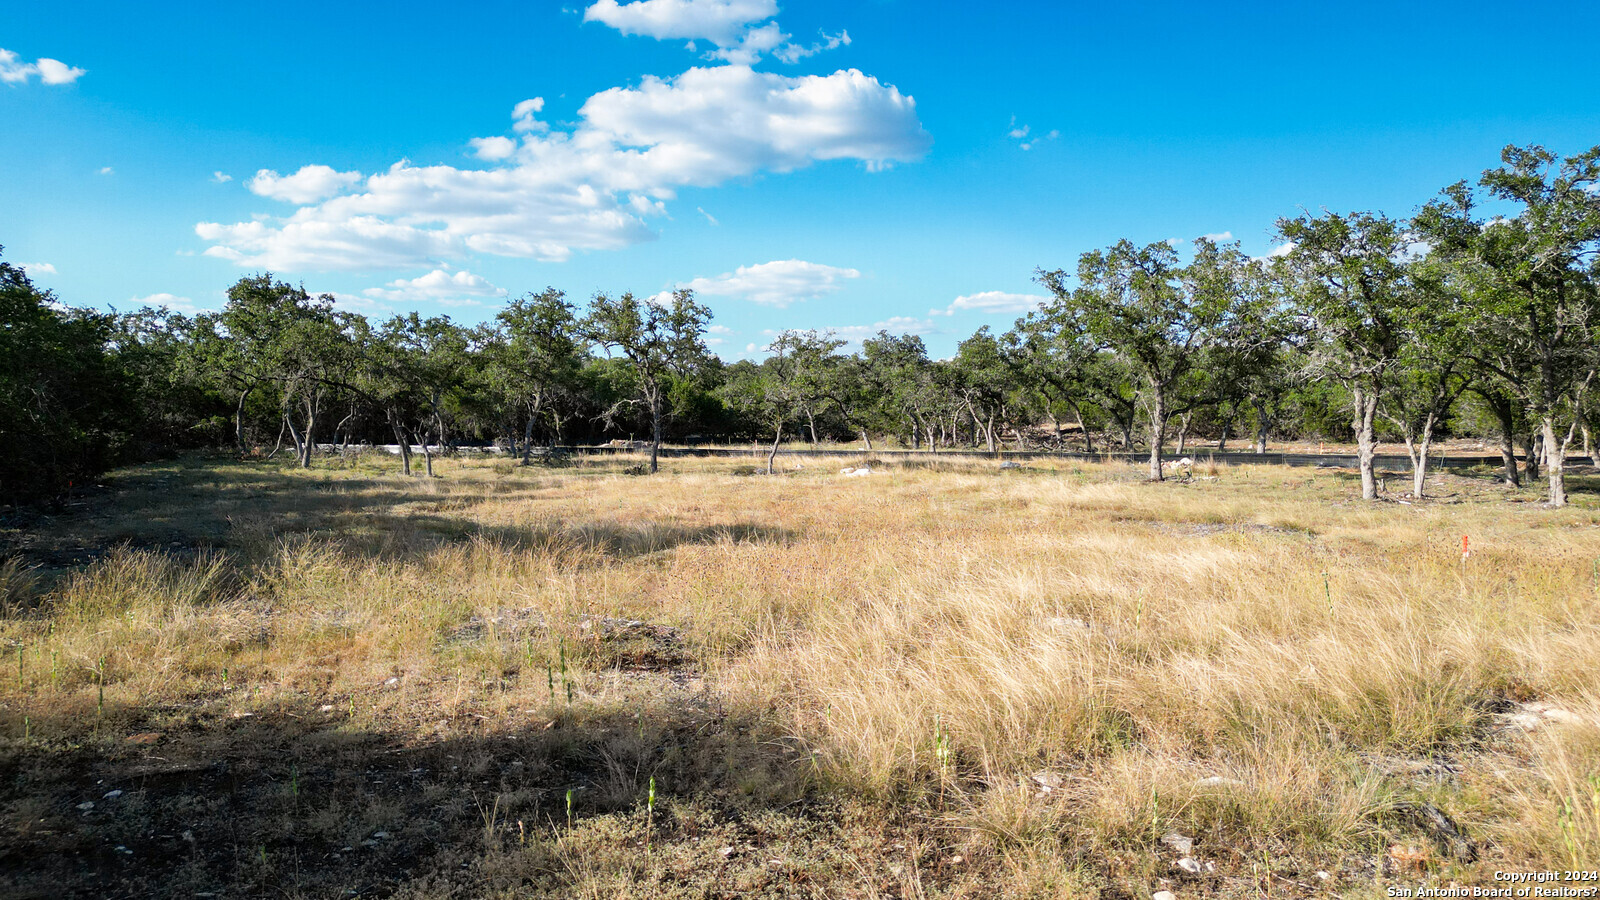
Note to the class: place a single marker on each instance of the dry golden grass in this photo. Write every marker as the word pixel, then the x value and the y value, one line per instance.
pixel 1038 672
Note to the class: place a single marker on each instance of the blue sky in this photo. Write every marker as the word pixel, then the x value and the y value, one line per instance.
pixel 855 166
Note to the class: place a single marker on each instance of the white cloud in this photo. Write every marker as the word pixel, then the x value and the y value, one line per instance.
pixel 1281 250
pixel 777 283
pixel 310 184
pixel 709 217
pixel 107 170
pixel 50 71
pixel 992 303
pixel 722 22
pixel 1020 133
pixel 54 71
pixel 176 304
pixel 739 29
pixel 494 148
pixel 523 114
pixel 591 186
pixel 855 334
pixel 438 285
pixel 792 53
pixel 1218 237
pixel 221 177
pixel 36 269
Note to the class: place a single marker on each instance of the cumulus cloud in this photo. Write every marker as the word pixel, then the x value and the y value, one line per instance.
pixel 594 185
pixel 221 177
pixel 738 29
pixel 34 270
pixel 777 283
pixel 174 303
pixel 855 334
pixel 310 184
pixel 992 302
pixel 723 22
pixel 49 71
pixel 54 71
pixel 440 286
pixel 1218 237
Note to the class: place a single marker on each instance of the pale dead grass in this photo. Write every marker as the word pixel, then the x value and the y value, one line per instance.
pixel 1221 657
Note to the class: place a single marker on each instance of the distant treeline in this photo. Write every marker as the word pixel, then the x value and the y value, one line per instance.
pixel 1478 315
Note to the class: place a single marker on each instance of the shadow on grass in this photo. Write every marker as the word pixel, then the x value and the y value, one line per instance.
pixel 189 507
pixel 304 800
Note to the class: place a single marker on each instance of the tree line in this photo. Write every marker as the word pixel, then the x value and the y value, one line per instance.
pixel 1480 314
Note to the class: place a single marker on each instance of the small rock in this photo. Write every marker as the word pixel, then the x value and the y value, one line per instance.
pixel 1011 465
pixel 1047 781
pixel 1181 844
pixel 1323 876
pixel 188 836
pixel 726 852
pixel 380 835
pixel 145 739
pixel 392 681
pixel 86 805
pixel 326 707
pixel 244 715
pixel 957 860
pixel 1188 864
pixel 1219 781
pixel 111 795
pixel 1163 895
pixel 1533 716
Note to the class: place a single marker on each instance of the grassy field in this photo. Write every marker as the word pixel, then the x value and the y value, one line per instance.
pixel 225 679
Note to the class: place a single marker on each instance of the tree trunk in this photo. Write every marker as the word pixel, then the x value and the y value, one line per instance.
pixel 1417 448
pixel 866 439
pixel 1183 432
pixel 405 444
pixel 1531 454
pixel 238 422
pixel 294 435
pixel 1158 433
pixel 1508 460
pixel 777 438
pixel 811 423
pixel 655 432
pixel 988 433
pixel 1503 412
pixel 311 428
pixel 1365 405
pixel 1555 455
pixel 527 439
pixel 1088 441
pixel 427 455
pixel 1222 442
